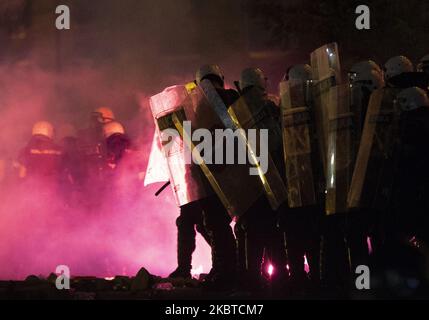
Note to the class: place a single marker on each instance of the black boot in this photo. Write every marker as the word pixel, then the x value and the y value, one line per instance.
pixel 185 242
pixel 335 267
pixel 181 273
pixel 217 223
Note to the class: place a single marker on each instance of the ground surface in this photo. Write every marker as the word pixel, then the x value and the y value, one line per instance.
pixel 141 287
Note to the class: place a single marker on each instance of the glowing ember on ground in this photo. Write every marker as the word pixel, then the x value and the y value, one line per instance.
pixel 270 270
pixel 306 266
pixel 368 241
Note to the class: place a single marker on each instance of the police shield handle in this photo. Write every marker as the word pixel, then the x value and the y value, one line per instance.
pixel 271 180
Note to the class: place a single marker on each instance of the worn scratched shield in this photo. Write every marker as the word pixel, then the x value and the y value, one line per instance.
pixel 340 149
pixel 373 172
pixel 185 177
pixel 298 143
pixel 325 62
pixel 233 184
pixel 250 113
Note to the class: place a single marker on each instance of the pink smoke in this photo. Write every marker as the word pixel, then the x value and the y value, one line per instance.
pixel 39 229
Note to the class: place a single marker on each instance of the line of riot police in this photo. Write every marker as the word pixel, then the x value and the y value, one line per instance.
pixel 346 182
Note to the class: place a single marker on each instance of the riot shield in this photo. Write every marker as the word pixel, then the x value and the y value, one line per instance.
pixel 250 112
pixel 185 177
pixel 157 168
pixel 217 103
pixel 233 184
pixel 358 105
pixel 325 62
pixel 297 144
pixel 340 149
pixel 372 176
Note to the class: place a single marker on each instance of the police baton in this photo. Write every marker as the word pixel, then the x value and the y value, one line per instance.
pixel 162 188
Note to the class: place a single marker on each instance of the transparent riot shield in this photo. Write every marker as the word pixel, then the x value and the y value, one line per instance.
pixel 325 62
pixel 233 184
pixel 372 175
pixel 248 113
pixel 297 144
pixel 185 177
pixel 340 149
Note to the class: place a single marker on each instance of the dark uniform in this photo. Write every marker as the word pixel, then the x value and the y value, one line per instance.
pixel 217 224
pixel 190 218
pixel 361 223
pixel 407 216
pixel 72 171
pixel 41 158
pixel 259 239
pixel 92 149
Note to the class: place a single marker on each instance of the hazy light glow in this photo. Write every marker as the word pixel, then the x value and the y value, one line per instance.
pixel 195 273
pixel 42 227
pixel 270 269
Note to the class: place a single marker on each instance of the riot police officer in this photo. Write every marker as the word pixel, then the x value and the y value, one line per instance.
pixel 407 216
pixel 72 165
pixel 41 157
pixel 257 230
pixel 396 66
pixel 117 142
pixel 215 216
pixel 92 147
pixel 365 77
pixel 91 139
pixel 190 219
pixel 399 73
pixel 301 220
pixel 186 179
